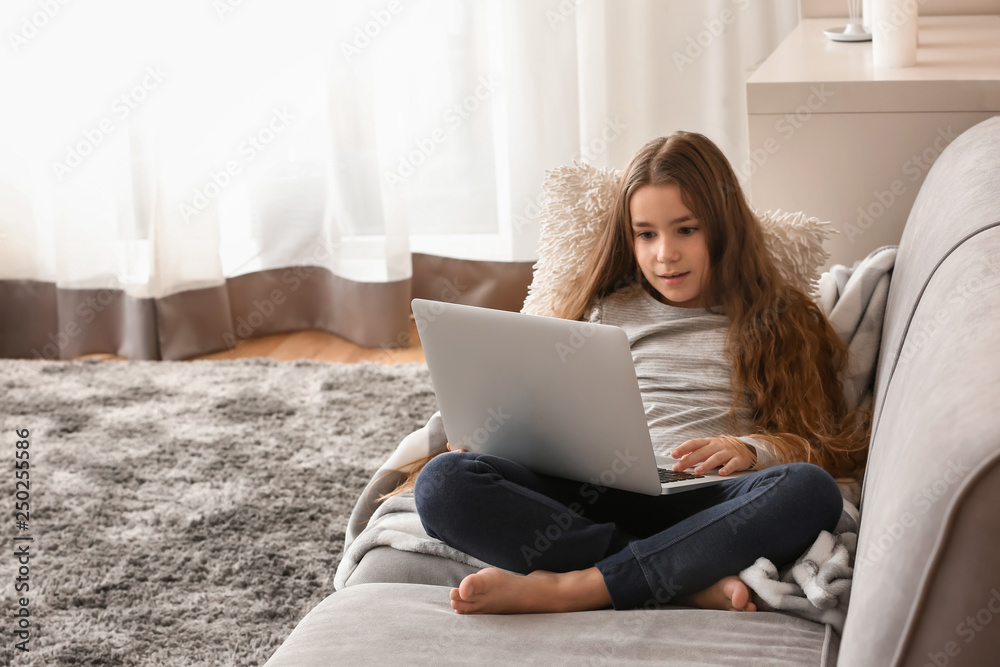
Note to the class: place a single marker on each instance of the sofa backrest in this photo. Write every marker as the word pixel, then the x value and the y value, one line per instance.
pixel 927 576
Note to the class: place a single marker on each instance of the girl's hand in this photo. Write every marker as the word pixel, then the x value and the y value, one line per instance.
pixel 455 449
pixel 707 453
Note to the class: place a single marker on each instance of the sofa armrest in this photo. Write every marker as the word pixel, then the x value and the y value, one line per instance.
pixel 923 567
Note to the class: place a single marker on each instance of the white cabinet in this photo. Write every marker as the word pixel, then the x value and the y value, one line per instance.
pixel 836 138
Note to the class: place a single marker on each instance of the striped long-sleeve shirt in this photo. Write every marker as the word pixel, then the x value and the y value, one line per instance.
pixel 682 367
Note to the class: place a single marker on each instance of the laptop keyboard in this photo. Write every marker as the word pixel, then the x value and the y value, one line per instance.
pixel 667 476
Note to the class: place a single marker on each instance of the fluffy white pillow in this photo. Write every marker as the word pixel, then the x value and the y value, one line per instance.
pixel 576 201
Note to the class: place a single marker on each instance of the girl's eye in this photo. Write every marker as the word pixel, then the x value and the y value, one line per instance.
pixel 642 235
pixel 688 231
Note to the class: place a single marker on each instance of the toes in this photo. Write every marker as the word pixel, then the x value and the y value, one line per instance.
pixel 749 606
pixel 467 588
pixel 738 593
pixel 463 607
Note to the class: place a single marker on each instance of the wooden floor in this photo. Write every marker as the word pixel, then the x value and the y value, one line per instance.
pixel 315 345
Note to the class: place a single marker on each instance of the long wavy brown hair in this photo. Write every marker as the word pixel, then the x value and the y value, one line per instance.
pixel 785 357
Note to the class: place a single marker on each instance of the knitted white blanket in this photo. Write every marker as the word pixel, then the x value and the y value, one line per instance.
pixel 816 587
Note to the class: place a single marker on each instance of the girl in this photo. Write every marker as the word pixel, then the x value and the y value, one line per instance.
pixel 733 363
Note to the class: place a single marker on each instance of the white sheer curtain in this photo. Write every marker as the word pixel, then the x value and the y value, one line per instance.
pixel 154 148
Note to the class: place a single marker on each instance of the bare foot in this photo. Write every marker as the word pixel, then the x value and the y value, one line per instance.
pixel 493 591
pixel 727 594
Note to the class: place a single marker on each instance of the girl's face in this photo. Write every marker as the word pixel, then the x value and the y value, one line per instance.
pixel 670 245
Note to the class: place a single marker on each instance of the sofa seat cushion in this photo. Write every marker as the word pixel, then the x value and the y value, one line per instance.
pixel 414 624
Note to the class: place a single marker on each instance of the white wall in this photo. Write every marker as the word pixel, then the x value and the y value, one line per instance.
pixel 813 9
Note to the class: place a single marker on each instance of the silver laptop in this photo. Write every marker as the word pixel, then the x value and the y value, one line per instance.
pixel 557 396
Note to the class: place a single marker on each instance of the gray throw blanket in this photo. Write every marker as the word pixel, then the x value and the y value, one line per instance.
pixel 395 524
pixel 816 587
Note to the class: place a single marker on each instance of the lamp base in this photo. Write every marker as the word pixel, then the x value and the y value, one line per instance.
pixel 849 33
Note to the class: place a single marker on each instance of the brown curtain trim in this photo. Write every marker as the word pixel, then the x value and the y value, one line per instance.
pixel 29 314
pixel 310 297
pixel 51 323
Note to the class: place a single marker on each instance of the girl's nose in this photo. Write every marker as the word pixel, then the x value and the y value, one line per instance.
pixel 667 252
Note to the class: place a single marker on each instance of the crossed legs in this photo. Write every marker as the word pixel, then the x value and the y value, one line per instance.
pixel 586 547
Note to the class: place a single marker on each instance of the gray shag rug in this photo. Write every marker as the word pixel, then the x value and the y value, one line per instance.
pixel 188 513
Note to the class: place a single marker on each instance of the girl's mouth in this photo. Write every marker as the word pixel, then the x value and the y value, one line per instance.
pixel 675 279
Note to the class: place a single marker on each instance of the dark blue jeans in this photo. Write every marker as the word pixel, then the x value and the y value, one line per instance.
pixel 650 549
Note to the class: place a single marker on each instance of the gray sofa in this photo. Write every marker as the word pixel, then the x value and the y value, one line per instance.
pixel 927 577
